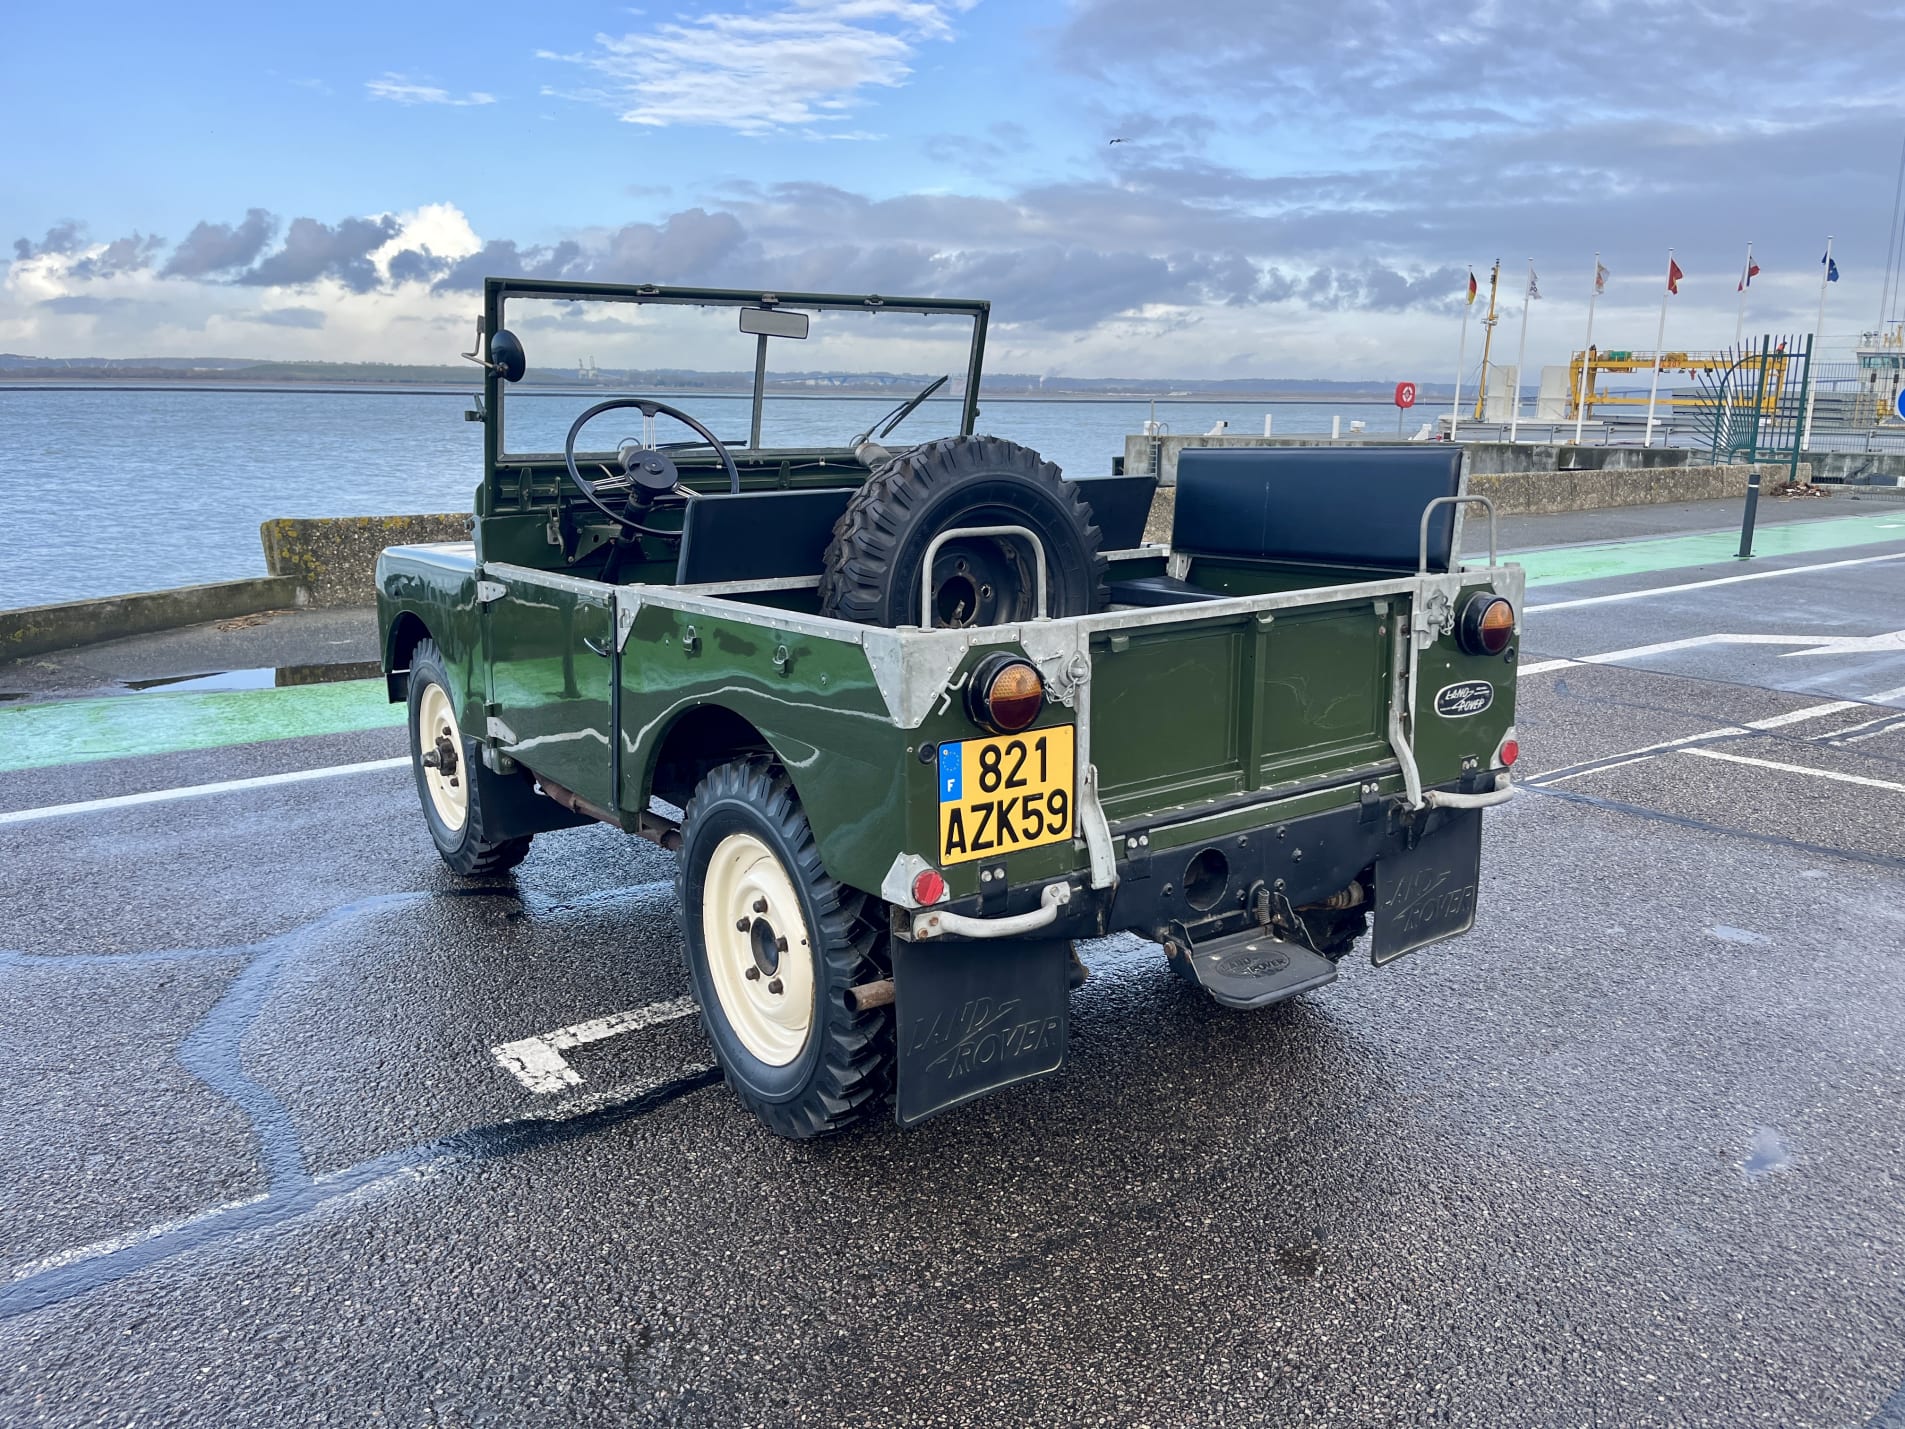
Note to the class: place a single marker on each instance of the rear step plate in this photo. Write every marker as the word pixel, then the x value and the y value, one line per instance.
pixel 1256 970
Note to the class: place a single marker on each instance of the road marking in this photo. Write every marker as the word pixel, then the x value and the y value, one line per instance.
pixel 1706 585
pixel 538 1063
pixel 112 1245
pixel 79 731
pixel 1668 746
pixel 198 791
pixel 1541 667
pixel 1797 769
pixel 1564 565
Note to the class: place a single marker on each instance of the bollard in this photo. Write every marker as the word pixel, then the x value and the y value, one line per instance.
pixel 1336 428
pixel 1267 420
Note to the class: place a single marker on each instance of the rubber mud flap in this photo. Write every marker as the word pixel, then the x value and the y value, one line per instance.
pixel 1427 893
pixel 971 1017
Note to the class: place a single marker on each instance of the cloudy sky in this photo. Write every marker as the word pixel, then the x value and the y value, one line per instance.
pixel 1300 191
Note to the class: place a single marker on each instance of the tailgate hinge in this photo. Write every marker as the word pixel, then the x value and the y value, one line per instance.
pixel 487 591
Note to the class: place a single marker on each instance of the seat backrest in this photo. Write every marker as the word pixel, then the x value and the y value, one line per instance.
pixel 1120 505
pixel 757 535
pixel 1352 506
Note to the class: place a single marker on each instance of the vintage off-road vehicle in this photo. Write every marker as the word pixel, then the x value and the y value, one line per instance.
pixel 915 718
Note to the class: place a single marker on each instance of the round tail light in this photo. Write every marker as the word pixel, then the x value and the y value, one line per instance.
pixel 929 886
pixel 1486 625
pixel 1006 693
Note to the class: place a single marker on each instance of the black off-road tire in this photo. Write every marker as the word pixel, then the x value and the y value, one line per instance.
pixel 872 572
pixel 842 1073
pixel 472 848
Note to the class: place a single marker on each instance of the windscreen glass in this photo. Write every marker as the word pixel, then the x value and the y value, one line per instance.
pixel 854 368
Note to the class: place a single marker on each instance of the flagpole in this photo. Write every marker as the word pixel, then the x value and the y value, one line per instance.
pixel 1746 278
pixel 1580 403
pixel 1818 329
pixel 1521 353
pixel 1660 336
pixel 1461 360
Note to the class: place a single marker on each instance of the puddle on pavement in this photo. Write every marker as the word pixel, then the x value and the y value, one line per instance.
pixel 1303 1260
pixel 1743 936
pixel 1766 1154
pixel 264 677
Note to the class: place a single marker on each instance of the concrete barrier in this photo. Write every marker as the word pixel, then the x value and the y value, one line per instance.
pixel 41 629
pixel 1536 493
pixel 334 558
pixel 1142 452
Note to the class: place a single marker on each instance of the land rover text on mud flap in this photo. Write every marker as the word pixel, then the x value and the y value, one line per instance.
pixel 916 717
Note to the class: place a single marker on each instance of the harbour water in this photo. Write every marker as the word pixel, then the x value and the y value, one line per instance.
pixel 108 491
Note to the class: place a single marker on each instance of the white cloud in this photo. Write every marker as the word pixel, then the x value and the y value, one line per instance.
pixel 803 64
pixel 401 89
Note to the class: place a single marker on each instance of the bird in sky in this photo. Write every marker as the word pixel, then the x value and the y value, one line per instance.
pixel 1114 141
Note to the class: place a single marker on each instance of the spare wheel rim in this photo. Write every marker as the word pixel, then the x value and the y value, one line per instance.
pixel 437 730
pixel 760 953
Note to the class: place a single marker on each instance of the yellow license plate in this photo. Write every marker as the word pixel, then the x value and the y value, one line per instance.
pixel 997 796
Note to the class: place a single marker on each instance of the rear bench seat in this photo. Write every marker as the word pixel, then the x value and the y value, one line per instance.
pixel 1319 506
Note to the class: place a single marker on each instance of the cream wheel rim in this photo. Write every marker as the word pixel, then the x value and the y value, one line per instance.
pixel 440 752
pixel 760 954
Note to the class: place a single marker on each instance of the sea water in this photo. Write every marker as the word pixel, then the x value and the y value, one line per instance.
pixel 104 491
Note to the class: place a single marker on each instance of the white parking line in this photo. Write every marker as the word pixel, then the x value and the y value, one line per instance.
pixel 1668 746
pixel 537 1062
pixel 1704 585
pixel 198 791
pixel 1797 769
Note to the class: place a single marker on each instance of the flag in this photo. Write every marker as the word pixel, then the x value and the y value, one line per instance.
pixel 1752 272
pixel 1471 287
pixel 1832 268
pixel 1534 289
pixel 1600 277
pixel 1674 275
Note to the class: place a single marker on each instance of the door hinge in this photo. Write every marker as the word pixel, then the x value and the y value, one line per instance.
pixel 487 591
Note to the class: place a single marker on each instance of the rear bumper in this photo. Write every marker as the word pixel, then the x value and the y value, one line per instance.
pixel 1210 888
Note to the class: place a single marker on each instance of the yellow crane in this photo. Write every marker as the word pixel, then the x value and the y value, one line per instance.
pixel 1746 366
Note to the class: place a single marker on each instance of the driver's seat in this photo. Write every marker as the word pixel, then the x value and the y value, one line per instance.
pixel 758 535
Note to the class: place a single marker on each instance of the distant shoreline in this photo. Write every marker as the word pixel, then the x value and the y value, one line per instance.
pixel 397 389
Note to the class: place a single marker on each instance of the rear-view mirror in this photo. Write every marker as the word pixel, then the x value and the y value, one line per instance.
pixel 773 322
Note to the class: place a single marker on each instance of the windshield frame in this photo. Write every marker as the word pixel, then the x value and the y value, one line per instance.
pixel 497 291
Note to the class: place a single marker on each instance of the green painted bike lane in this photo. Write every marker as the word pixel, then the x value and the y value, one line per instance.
pixel 39 736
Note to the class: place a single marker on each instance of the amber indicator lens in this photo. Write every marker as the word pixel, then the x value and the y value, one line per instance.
pixel 1006 693
pixel 1016 696
pixel 1486 626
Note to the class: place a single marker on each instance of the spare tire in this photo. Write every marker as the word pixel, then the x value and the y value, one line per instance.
pixel 873 566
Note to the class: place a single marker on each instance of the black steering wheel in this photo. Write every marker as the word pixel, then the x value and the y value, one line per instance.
pixel 648 471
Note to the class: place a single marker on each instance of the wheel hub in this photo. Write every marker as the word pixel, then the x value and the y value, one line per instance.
pixel 760 954
pixel 439 744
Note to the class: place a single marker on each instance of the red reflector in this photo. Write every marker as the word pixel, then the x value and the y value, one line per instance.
pixel 928 887
pixel 1510 752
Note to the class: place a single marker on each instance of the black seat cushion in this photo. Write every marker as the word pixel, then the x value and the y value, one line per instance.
pixel 1120 505
pixel 757 535
pixel 1358 506
pixel 1159 590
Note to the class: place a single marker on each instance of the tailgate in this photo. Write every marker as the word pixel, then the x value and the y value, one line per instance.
pixel 1196 710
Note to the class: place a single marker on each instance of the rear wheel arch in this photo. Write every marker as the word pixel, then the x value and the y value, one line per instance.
pixel 696 741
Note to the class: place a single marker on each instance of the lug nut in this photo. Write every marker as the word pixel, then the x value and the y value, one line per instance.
pixel 780 945
pixel 760 905
pixel 743 924
pixel 752 974
pixel 775 986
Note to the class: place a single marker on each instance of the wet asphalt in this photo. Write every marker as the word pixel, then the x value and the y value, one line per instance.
pixel 1628 1154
